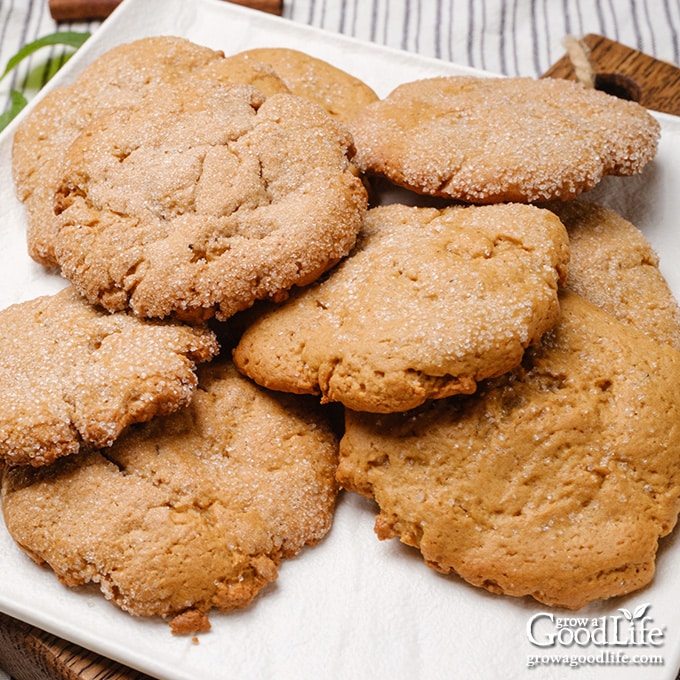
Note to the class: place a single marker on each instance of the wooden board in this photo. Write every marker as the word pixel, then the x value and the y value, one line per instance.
pixel 626 72
pixel 28 653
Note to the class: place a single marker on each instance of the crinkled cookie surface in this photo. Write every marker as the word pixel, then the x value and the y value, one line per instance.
pixel 120 79
pixel 74 375
pixel 486 140
pixel 189 512
pixel 555 480
pixel 204 200
pixel 428 303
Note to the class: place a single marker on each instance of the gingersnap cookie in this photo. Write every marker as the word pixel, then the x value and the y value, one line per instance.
pixel 208 502
pixel 119 79
pixel 428 303
pixel 614 266
pixel 73 375
pixel 199 204
pixel 555 480
pixel 341 94
pixel 238 68
pixel 486 140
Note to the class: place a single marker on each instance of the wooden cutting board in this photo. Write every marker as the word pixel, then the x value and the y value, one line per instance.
pixel 625 72
pixel 28 653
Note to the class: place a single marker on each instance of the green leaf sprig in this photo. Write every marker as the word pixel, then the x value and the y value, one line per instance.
pixel 17 100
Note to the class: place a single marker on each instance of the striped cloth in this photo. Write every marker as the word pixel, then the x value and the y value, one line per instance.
pixel 510 37
pixel 22 22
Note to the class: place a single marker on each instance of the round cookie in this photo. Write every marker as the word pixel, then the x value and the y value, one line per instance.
pixel 238 68
pixel 613 265
pixel 119 79
pixel 428 303
pixel 341 94
pixel 208 501
pixel 71 374
pixel 200 203
pixel 487 140
pixel 555 480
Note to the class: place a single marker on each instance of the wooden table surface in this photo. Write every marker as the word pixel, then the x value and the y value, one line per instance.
pixel 27 653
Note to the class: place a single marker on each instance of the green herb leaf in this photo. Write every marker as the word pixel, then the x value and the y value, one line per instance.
pixel 69 38
pixel 18 101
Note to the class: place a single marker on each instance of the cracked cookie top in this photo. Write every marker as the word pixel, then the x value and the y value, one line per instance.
pixel 206 198
pixel 72 374
pixel 188 512
pixel 119 79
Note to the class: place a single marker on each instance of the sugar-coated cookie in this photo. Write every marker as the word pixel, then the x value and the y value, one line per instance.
pixel 555 480
pixel 429 302
pixel 486 140
pixel 341 94
pixel 614 266
pixel 204 200
pixel 119 79
pixel 238 68
pixel 188 512
pixel 71 374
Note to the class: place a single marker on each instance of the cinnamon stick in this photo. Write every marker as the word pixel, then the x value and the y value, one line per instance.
pixel 271 6
pixel 88 10
pixel 81 10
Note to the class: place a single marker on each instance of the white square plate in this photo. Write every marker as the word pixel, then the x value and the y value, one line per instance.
pixel 351 607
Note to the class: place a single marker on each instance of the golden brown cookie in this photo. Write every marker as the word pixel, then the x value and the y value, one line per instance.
pixel 120 79
pixel 555 480
pixel 341 94
pixel 238 68
pixel 204 200
pixel 188 512
pixel 614 266
pixel 486 140
pixel 428 303
pixel 71 374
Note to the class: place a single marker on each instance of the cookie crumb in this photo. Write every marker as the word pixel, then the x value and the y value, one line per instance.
pixel 190 621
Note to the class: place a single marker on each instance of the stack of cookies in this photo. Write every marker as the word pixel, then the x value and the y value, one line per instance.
pixel 172 187
pixel 504 355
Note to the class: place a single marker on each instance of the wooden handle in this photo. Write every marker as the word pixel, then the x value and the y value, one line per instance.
pixel 626 73
pixel 84 10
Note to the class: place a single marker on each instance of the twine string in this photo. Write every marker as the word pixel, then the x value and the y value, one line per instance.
pixel 579 55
